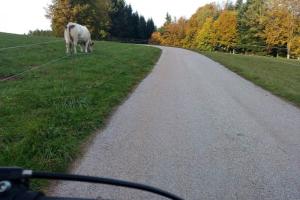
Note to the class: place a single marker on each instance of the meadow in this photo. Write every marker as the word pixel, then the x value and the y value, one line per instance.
pixel 51 104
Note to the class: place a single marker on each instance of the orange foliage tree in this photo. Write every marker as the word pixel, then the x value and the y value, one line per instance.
pixel 282 24
pixel 196 22
pixel 173 33
pixel 247 25
pixel 226 34
pixel 295 48
pixel 156 38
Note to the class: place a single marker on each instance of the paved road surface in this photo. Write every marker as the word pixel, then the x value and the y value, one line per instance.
pixel 194 128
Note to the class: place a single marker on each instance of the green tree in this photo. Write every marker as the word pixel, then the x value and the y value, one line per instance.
pixel 103 18
pixel 251 19
pixel 128 25
pixel 142 28
pixel 150 28
pixel 168 19
pixel 229 5
pixel 117 18
pixel 239 5
pixel 135 19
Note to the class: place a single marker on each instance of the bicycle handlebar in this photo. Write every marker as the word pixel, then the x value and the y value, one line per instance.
pixel 63 198
pixel 19 180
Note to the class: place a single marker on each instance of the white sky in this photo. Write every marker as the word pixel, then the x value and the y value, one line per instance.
pixel 20 16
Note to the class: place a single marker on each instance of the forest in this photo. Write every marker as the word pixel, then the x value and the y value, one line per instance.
pixel 106 19
pixel 261 27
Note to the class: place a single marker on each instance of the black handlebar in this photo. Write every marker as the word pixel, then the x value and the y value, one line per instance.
pixel 62 198
pixel 19 180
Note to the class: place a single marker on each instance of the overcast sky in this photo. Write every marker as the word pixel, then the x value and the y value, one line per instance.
pixel 20 16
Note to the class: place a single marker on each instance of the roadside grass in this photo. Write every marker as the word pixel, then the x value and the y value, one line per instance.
pixel 279 76
pixel 48 113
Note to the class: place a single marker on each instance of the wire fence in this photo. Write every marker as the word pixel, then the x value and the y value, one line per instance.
pixel 75 95
pixel 259 46
pixel 44 64
pixel 33 68
pixel 29 45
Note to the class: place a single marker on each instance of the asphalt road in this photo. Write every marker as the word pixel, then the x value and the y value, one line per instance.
pixel 196 129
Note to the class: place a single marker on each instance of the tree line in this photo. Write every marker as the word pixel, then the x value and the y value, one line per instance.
pixel 263 27
pixel 106 19
pixel 38 32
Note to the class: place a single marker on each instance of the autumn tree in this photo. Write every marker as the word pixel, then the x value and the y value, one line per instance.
pixel 180 31
pixel 174 33
pixel 225 26
pixel 196 22
pixel 87 13
pixel 276 33
pixel 206 36
pixel 104 18
pixel 93 14
pixel 295 48
pixel 257 26
pixel 156 38
pixel 60 13
pixel 282 24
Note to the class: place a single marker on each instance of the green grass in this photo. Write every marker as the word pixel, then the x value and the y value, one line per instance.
pixel 10 40
pixel 46 114
pixel 279 76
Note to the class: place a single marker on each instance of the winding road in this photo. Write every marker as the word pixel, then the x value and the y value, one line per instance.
pixel 196 129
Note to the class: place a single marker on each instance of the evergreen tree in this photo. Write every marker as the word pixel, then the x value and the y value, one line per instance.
pixel 229 5
pixel 150 28
pixel 239 5
pixel 251 25
pixel 117 18
pixel 129 24
pixel 142 33
pixel 135 24
pixel 168 19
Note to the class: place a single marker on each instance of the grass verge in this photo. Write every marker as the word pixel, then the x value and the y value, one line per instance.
pixel 46 114
pixel 279 76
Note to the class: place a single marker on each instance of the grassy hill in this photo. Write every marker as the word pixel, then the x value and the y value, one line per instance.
pixel 47 113
pixel 278 75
